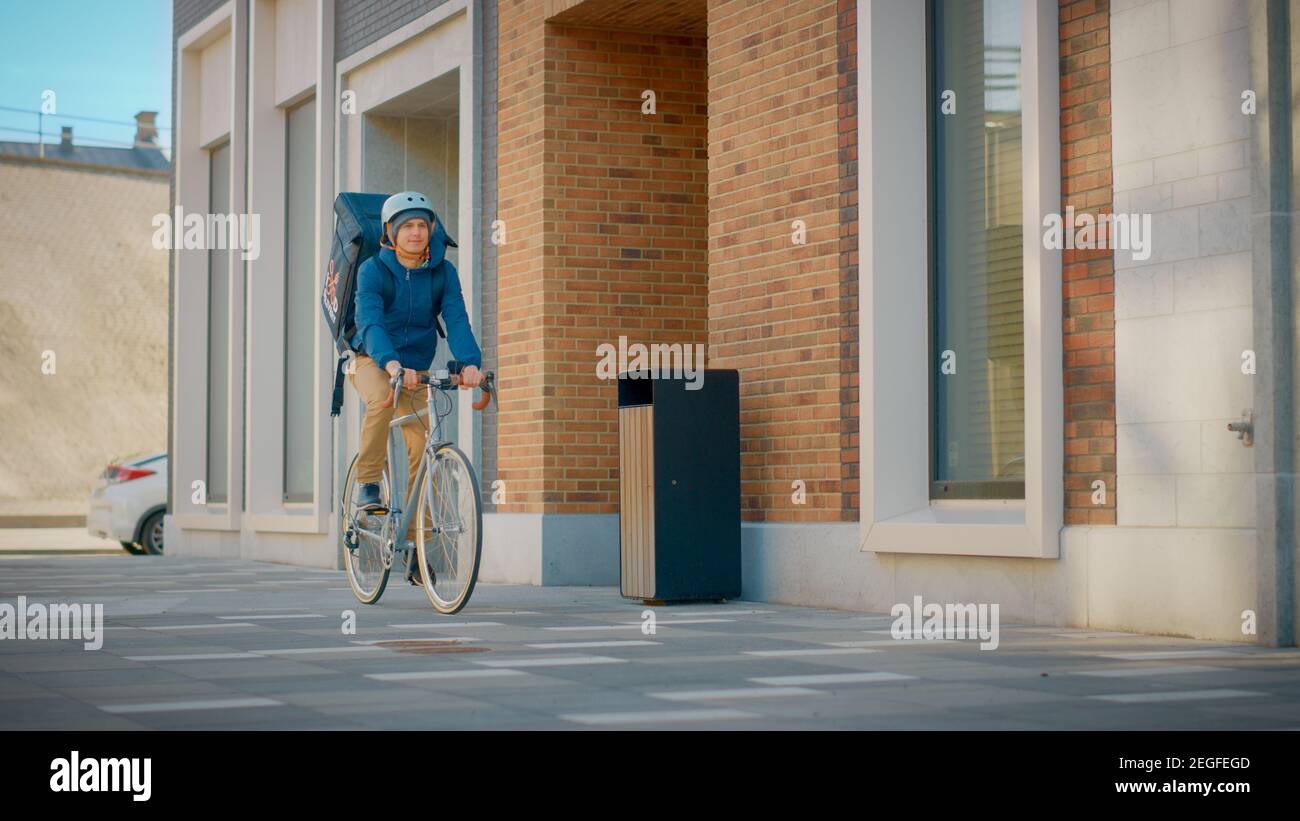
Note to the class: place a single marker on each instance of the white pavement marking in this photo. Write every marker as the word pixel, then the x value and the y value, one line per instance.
pixel 281 609
pixel 177 706
pixel 1185 695
pixel 291 581
pixel 551 661
pixel 888 642
pixel 446 624
pixel 1099 634
pixel 222 625
pixel 311 651
pixel 635 624
pixel 1137 672
pixel 421 675
pixel 559 645
pixel 507 613
pixel 656 716
pixel 277 616
pixel 1152 655
pixel 950 635
pixel 831 678
pixel 743 692
pixel 818 651
pixel 195 657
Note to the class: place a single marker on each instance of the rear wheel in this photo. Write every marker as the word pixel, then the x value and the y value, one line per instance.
pixel 449 530
pixel 363 536
pixel 151 534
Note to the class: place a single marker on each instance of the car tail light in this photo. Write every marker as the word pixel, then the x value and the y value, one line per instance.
pixel 116 473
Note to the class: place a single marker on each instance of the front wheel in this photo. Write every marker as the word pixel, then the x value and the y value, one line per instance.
pixel 449 529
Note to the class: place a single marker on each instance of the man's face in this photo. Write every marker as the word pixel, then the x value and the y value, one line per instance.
pixel 413 236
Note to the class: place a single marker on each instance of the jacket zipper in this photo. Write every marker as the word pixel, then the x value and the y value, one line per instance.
pixel 410 306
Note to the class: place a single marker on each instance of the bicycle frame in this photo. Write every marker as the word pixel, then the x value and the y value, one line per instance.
pixel 432 442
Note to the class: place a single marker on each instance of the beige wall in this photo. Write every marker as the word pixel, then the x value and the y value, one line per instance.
pixel 79 277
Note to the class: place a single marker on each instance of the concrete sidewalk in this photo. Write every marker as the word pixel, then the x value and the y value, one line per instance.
pixel 206 644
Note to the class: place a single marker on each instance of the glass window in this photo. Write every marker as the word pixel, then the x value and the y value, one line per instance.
pixel 300 304
pixel 976 251
pixel 218 456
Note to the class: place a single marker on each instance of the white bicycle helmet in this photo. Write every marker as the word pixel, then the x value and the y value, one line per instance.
pixel 405 201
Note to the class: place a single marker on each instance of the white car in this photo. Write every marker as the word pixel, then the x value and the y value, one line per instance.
pixel 128 503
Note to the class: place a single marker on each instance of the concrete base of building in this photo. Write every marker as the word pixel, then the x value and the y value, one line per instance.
pixel 1179 582
pixel 550 548
pixel 303 550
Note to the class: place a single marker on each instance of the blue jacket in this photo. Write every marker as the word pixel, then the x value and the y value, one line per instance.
pixel 395 309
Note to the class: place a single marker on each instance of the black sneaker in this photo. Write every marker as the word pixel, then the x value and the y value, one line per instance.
pixel 368 496
pixel 415 577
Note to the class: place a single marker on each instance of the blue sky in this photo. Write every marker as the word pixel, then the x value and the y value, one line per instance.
pixel 105 59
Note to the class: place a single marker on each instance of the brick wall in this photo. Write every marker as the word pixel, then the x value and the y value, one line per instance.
pixel 188 13
pixel 1088 276
pixel 487 330
pixel 522 419
pixel 847 81
pixel 604 210
pixel 783 314
pixel 626 232
pixel 358 23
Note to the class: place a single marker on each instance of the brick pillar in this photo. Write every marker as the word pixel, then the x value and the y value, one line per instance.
pixel 520 282
pixel 1088 275
pixel 604 208
pixel 626 233
pixel 779 151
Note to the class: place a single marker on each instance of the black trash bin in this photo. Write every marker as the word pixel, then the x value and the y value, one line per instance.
pixel 679 487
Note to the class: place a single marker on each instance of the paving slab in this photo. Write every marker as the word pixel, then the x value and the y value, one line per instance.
pixel 222 644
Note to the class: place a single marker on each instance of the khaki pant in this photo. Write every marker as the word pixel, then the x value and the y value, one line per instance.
pixel 372 383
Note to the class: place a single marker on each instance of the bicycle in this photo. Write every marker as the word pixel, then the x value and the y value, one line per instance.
pixel 445 497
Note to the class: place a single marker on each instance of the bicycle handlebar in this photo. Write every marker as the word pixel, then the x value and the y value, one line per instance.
pixel 450 380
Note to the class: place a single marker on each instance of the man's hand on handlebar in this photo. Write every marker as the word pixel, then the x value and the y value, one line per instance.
pixel 410 378
pixel 470 377
pixel 467 377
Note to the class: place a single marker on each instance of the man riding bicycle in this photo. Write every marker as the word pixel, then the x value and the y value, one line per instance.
pixel 400 292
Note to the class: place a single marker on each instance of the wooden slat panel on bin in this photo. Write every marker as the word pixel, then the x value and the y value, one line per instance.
pixel 636 500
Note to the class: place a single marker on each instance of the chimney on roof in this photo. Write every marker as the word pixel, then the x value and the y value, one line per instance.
pixel 65 140
pixel 146 132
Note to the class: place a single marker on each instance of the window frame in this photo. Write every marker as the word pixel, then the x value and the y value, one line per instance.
pixel 309 497
pixel 216 492
pixel 202 72
pixel 897 513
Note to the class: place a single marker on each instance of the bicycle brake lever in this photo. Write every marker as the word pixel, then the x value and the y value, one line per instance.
pixel 396 382
pixel 488 386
